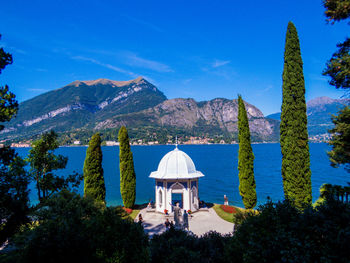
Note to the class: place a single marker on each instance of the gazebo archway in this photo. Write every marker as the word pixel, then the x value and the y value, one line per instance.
pixel 177 194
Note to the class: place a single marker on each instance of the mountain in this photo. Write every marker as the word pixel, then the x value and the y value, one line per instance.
pixel 320 111
pixel 214 117
pixel 83 107
pixel 77 104
pixel 319 114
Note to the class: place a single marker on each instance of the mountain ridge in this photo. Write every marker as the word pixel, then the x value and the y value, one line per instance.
pixel 103 104
pixel 103 81
pixel 219 114
pixel 78 100
pixel 319 113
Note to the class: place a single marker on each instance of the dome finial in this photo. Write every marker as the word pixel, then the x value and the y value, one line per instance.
pixel 176 144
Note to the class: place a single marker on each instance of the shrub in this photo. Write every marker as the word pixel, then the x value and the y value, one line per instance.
pixel 282 233
pixel 76 229
pixel 176 245
pixel 241 215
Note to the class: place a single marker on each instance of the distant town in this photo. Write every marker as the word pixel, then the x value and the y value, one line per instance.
pixel 321 138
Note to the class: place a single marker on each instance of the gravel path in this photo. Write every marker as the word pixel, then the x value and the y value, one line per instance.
pixel 199 223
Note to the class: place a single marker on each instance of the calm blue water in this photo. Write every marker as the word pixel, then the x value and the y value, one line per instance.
pixel 217 162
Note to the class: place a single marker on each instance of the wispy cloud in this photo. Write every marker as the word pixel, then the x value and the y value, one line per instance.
pixel 144 23
pixel 106 65
pixel 269 87
pixel 135 60
pixel 219 63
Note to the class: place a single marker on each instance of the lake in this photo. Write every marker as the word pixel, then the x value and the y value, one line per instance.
pixel 217 162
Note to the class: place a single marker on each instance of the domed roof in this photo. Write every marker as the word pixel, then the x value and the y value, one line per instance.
pixel 176 165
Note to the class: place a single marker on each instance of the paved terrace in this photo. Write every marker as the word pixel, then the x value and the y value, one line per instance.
pixel 200 222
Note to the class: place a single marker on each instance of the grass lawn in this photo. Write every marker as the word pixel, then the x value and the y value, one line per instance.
pixel 224 215
pixel 134 213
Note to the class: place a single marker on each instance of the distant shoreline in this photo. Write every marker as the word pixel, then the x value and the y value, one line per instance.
pixel 72 146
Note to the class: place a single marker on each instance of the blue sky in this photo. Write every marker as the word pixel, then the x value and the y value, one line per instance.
pixel 189 49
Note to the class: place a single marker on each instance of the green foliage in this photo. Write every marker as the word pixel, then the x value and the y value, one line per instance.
pixel 75 229
pixel 178 246
pixel 283 233
pixel 245 159
pixel 277 233
pixel 340 141
pixel 5 58
pixel 338 67
pixel 94 184
pixel 14 179
pixel 43 162
pixel 326 191
pixel 127 171
pixel 14 200
pixel 174 245
pixel 87 231
pixel 334 192
pixel 8 105
pixel 336 10
pixel 241 215
pixel 296 171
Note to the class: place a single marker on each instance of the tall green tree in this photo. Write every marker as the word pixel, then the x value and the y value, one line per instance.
pixel 296 173
pixel 340 142
pixel 43 164
pixel 245 159
pixel 14 180
pixel 338 69
pixel 94 184
pixel 127 171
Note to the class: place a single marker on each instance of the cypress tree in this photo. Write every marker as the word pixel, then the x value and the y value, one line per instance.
pixel 94 184
pixel 296 173
pixel 127 172
pixel 245 159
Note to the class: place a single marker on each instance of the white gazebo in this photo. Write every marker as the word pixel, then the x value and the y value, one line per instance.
pixel 176 181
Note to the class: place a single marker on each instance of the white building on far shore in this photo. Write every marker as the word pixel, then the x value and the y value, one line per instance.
pixel 112 143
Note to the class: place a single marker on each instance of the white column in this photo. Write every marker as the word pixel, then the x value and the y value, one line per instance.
pixel 168 199
pixel 189 195
pixel 185 198
pixel 165 196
